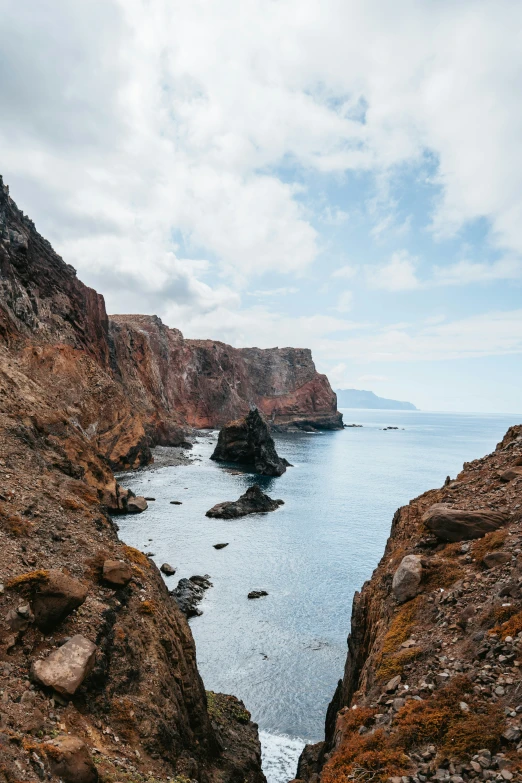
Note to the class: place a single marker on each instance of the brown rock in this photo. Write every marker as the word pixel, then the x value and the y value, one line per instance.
pixel 117 572
pixel 67 667
pixel 71 761
pixel 453 524
pixel 167 569
pixel 56 598
pixel 407 577
pixel 511 473
pixel 497 558
pixel 136 505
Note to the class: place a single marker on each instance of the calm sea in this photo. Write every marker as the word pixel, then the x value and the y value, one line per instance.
pixel 283 654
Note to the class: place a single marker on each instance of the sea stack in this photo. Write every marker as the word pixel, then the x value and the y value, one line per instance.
pixel 248 442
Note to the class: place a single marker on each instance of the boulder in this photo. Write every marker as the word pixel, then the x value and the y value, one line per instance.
pixel 70 760
pixel 453 524
pixel 136 505
pixel 117 572
pixel 189 593
pixel 167 569
pixel 406 579
pixel 511 473
pixel 254 501
pixel 248 442
pixel 56 598
pixel 497 558
pixel 67 667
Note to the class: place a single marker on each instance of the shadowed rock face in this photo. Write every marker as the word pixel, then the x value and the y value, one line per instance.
pixel 254 501
pixel 248 442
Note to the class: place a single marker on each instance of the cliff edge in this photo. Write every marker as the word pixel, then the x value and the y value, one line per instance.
pixel 432 687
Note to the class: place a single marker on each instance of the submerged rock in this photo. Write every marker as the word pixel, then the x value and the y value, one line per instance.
pixel 189 593
pixel 254 501
pixel 257 594
pixel 248 442
pixel 454 524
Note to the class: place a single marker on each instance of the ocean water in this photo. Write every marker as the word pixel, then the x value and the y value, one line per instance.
pixel 284 653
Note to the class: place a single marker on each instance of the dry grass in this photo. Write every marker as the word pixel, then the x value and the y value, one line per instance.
pixel 14 524
pixel 440 720
pixel 442 573
pixel 401 626
pixel 511 627
pixel 366 757
pixel 391 665
pixel 488 543
pixel 148 607
pixel 29 579
pixel 136 557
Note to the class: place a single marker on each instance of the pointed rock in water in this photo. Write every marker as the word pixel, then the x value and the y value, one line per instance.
pixel 254 501
pixel 248 442
pixel 189 593
pixel 220 546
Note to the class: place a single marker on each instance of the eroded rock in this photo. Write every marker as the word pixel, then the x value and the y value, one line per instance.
pixel 189 593
pixel 453 524
pixel 406 579
pixel 248 442
pixel 71 761
pixel 511 473
pixel 254 501
pixel 56 598
pixel 117 572
pixel 67 667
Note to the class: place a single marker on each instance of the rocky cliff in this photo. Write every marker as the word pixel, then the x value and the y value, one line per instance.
pixel 432 687
pixel 177 383
pixel 98 675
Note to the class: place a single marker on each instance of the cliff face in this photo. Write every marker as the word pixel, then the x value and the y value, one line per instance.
pixel 135 709
pixel 175 382
pixel 432 687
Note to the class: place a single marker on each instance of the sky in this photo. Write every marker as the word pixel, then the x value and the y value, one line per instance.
pixel 343 175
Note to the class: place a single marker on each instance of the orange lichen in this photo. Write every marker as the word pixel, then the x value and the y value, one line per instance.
pixel 148 607
pixel 400 627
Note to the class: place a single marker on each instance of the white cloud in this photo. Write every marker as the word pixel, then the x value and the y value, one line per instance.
pixel 399 274
pixel 344 301
pixel 346 272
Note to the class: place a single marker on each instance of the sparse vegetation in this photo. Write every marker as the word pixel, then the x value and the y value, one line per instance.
pixel 29 579
pixel 488 543
pixel 222 708
pixel 391 665
pixel 511 627
pixel 136 557
pixel 148 607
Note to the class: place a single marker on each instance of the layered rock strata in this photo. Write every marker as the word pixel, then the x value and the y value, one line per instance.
pixel 432 687
pixel 98 670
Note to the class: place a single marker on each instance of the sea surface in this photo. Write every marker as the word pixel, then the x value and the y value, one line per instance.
pixel 283 654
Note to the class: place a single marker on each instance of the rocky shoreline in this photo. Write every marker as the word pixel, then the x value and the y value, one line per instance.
pixel 432 688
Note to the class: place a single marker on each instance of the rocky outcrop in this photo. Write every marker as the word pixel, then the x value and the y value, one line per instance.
pixel 253 501
pixel 431 687
pixel 248 442
pixel 130 688
pixel 189 593
pixel 177 383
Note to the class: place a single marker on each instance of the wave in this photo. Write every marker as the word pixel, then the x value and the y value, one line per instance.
pixel 280 755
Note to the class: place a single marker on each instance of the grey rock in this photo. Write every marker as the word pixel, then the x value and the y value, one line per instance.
pixel 67 667
pixel 407 577
pixel 254 501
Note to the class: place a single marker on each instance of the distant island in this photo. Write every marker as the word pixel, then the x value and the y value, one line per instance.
pixel 358 398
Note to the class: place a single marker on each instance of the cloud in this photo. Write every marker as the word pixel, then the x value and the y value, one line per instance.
pixel 284 291
pixel 346 272
pixel 344 301
pixel 399 274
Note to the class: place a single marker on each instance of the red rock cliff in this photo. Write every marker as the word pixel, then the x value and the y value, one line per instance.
pixel 176 382
pixel 98 674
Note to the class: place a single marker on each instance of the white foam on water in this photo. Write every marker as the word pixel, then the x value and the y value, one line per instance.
pixel 280 755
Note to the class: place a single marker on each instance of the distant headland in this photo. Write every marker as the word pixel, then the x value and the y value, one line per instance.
pixel 358 398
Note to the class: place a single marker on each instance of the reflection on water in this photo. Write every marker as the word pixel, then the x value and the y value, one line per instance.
pixel 283 654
